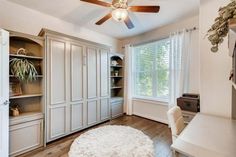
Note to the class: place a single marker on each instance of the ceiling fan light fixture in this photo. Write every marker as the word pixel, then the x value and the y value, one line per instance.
pixel 120 14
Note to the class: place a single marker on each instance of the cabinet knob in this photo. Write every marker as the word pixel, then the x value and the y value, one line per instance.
pixel 6 102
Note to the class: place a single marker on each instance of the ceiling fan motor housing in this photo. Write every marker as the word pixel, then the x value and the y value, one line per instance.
pixel 120 4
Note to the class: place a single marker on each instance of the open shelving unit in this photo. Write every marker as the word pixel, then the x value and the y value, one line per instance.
pixel 30 96
pixel 26 96
pixel 32 91
pixel 28 57
pixel 116 84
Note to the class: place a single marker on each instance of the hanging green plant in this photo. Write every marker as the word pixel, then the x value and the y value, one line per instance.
pixel 23 69
pixel 220 28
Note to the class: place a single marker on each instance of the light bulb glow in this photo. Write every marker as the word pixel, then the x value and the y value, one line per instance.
pixel 119 14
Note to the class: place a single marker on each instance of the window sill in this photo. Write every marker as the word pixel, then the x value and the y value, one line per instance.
pixel 152 101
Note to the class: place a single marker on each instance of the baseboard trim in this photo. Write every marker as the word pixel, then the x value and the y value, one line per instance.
pixel 152 118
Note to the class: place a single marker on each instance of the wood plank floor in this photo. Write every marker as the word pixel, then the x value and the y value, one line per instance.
pixel 158 132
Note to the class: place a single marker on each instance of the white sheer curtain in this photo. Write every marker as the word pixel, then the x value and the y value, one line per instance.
pixel 128 80
pixel 180 53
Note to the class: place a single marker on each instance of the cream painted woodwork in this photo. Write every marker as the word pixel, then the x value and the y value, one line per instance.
pixel 104 73
pixel 58 71
pixel 25 137
pixel 58 93
pixel 104 109
pixel 92 114
pixel 104 85
pixel 4 94
pixel 207 136
pixel 92 79
pixel 77 84
pixel 57 121
pixel 116 108
pixel 77 72
pixel 76 117
pixel 31 101
pixel 116 85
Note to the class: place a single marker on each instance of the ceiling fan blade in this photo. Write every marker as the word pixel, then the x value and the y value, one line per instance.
pixel 104 19
pixel 147 9
pixel 129 23
pixel 105 4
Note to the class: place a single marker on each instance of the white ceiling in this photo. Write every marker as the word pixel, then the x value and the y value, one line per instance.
pixel 86 14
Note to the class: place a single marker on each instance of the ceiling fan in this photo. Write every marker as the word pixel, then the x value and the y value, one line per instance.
pixel 120 10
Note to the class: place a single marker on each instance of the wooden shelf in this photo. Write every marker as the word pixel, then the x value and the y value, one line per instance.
pixel 117 76
pixel 39 76
pixel 26 96
pixel 25 117
pixel 117 66
pixel 24 56
pixel 119 87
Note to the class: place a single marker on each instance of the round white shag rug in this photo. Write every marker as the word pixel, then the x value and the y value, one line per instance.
pixel 112 141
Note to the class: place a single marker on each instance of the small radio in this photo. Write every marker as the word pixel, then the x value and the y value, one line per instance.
pixel 189 102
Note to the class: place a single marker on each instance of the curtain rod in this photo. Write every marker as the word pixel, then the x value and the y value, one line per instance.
pixel 150 41
pixel 191 29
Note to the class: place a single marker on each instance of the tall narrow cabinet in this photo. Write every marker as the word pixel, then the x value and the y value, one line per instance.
pixel 77 84
pixel 117 84
pixel 27 97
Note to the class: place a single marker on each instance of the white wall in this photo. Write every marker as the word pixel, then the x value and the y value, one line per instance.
pixel 19 18
pixel 151 110
pixel 156 110
pixel 215 88
pixel 162 32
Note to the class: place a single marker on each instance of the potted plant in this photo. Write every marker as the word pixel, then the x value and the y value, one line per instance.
pixel 116 73
pixel 220 28
pixel 23 69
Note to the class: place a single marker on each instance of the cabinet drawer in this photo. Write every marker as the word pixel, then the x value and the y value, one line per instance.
pixel 25 137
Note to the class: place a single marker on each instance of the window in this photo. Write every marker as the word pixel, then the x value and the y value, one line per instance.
pixel 151 70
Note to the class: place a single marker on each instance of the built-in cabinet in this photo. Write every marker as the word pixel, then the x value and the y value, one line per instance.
pixel 72 89
pixel 26 97
pixel 117 84
pixel 77 74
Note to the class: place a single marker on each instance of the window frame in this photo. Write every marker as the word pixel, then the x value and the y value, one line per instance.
pixel 163 100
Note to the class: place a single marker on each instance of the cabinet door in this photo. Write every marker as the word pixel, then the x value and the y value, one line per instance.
pixel 105 109
pixel 76 117
pixel 117 108
pixel 77 86
pixel 104 72
pixel 77 82
pixel 57 112
pixel 57 117
pixel 92 111
pixel 92 73
pixel 4 92
pixel 25 137
pixel 57 71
